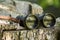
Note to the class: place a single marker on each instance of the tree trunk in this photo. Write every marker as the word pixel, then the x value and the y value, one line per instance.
pixel 35 34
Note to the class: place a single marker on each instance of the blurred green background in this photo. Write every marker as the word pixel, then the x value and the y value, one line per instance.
pixel 52 6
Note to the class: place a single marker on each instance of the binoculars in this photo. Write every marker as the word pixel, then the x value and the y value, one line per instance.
pixel 33 22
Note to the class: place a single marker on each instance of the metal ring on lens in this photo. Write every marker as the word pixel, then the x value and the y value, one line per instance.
pixel 48 20
pixel 31 22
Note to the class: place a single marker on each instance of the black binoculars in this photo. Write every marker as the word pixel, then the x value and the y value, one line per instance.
pixel 35 21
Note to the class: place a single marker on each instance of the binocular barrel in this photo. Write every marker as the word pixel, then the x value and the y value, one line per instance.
pixel 48 20
pixel 31 21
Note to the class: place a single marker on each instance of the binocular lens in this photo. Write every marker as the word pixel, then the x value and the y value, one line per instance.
pixel 48 20
pixel 31 21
